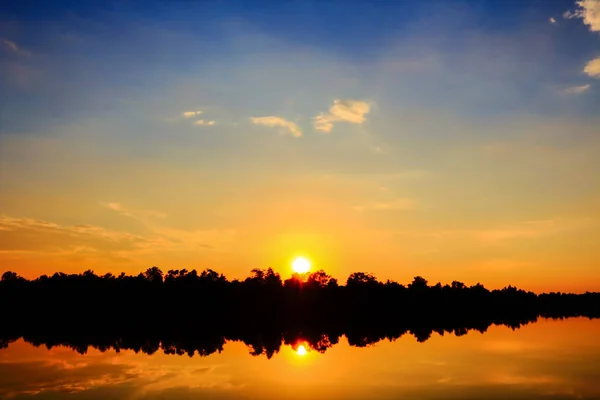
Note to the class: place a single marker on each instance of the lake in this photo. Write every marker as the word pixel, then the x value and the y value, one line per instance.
pixel 549 359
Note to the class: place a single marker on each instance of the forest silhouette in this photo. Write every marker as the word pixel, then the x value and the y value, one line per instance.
pixel 186 312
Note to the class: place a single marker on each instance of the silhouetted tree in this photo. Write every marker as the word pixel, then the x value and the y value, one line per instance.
pixel 320 279
pixel 154 275
pixel 419 284
pixel 361 278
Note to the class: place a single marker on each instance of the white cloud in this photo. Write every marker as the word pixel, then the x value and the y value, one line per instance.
pixel 592 68
pixel 11 46
pixel 577 89
pixel 552 20
pixel 191 114
pixel 273 121
pixel 203 122
pixel 589 11
pixel 352 111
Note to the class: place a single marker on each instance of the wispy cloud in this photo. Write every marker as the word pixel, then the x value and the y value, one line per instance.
pixel 589 11
pixel 503 264
pixel 191 114
pixel 577 89
pixel 10 46
pixel 73 373
pixel 203 122
pixel 500 234
pixel 552 20
pixel 16 234
pixel 171 238
pixel 273 121
pixel 141 215
pixel 351 111
pixel 114 206
pixel 89 244
pixel 402 203
pixel 528 229
pixel 592 68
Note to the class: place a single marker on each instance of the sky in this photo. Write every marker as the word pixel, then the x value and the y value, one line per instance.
pixel 455 140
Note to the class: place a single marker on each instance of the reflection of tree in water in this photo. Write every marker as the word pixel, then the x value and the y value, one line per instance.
pixel 186 313
pixel 260 342
pixel 267 344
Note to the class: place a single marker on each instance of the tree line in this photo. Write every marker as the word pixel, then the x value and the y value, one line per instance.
pixel 261 341
pixel 188 301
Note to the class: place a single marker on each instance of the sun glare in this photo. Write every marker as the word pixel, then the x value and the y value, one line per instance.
pixel 301 265
pixel 301 350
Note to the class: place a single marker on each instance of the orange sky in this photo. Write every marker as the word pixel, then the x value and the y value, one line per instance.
pixel 511 215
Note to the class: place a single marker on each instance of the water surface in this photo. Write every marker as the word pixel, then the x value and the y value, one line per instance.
pixel 544 360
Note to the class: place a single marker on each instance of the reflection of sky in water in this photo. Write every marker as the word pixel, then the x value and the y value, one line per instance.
pixel 546 360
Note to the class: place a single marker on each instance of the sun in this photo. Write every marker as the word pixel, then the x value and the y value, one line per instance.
pixel 301 265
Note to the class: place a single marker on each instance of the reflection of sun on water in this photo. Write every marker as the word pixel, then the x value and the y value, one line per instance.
pixel 301 265
pixel 301 351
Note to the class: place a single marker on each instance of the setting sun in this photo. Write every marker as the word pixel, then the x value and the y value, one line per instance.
pixel 301 265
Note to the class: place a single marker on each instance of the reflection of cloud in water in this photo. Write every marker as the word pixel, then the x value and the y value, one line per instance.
pixel 510 379
pixel 510 346
pixel 97 370
pixel 37 377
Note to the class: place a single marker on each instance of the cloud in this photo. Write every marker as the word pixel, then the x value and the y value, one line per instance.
pixel 191 114
pixel 351 111
pixel 91 245
pixel 528 229
pixel 589 11
pixel 174 239
pixel 592 68
pixel 402 203
pixel 577 89
pixel 552 20
pixel 67 374
pixel 34 378
pixel 203 122
pixel 503 264
pixel 12 47
pixel 273 121
pixel 114 206
pixel 199 122
pixel 32 235
pixel 516 231
pixel 140 215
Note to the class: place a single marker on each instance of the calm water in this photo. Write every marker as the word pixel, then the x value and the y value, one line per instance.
pixel 545 360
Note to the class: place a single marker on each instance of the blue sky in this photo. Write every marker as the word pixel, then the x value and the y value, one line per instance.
pixel 123 47
pixel 413 133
